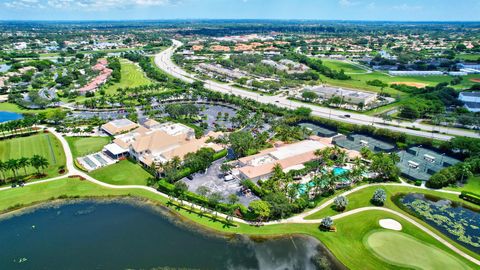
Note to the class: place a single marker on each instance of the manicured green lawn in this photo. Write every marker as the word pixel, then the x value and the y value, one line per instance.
pixel 122 173
pixel 81 146
pixel 132 76
pixel 346 244
pixel 338 65
pixel 472 185
pixel 472 57
pixel 361 198
pixel 43 144
pixel 11 107
pixel 360 81
pixel 406 251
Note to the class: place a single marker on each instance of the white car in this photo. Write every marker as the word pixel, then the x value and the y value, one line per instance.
pixel 228 177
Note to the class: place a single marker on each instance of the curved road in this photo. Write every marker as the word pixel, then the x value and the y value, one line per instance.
pixel 73 171
pixel 164 62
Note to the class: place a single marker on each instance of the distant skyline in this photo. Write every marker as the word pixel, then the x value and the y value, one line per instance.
pixel 374 10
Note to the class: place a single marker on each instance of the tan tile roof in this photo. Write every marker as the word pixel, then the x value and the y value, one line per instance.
pixel 114 129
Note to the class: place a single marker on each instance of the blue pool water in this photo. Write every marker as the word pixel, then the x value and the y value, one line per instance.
pixel 339 171
pixel 8 116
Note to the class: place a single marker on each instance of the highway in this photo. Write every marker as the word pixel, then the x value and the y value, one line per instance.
pixel 164 62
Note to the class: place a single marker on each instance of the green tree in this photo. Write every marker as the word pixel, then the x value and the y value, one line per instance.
pixel 340 203
pixel 24 162
pixel 309 95
pixel 326 223
pixel 260 209
pixel 379 197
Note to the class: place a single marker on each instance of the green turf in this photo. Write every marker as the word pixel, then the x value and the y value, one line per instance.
pixel 338 65
pixel 11 107
pixel 122 173
pixel 361 198
pixel 472 185
pixel 346 244
pixel 471 57
pixel 406 251
pixel 81 146
pixel 132 76
pixel 43 144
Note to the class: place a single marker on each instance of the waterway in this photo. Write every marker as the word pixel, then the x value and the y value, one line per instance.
pixel 126 234
pixel 8 116
pixel 455 220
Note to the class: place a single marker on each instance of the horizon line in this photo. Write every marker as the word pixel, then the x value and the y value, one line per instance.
pixel 239 19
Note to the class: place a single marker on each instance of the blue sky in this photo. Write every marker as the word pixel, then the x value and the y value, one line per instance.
pixel 397 10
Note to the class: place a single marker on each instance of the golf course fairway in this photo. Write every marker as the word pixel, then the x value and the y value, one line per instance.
pixel 404 250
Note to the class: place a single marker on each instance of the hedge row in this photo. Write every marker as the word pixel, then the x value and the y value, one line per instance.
pixel 471 197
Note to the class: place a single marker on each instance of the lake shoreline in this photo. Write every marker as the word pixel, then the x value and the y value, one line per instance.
pixel 172 217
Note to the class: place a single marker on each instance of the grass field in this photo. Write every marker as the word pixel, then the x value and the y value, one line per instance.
pixel 471 57
pixel 132 76
pixel 360 81
pixel 472 185
pixel 81 146
pixel 346 244
pixel 361 198
pixel 413 252
pixel 43 144
pixel 122 173
pixel 11 107
pixel 338 65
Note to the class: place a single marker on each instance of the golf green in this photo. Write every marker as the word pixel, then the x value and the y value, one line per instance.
pixel 404 250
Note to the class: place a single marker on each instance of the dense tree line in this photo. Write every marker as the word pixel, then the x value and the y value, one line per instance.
pixel 15 165
pixel 317 65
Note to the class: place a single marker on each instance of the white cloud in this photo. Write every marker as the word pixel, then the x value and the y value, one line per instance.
pixel 407 7
pixel 85 4
pixel 348 3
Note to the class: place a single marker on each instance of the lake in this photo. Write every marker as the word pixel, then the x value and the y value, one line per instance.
pixel 458 222
pixel 123 234
pixel 8 116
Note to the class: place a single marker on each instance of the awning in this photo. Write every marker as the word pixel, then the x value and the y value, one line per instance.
pixel 115 149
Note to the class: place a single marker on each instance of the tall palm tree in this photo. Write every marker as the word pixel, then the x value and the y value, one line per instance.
pixel 24 162
pixel 12 164
pixel 3 168
pixel 38 162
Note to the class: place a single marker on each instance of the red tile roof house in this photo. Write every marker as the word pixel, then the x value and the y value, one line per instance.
pixel 102 78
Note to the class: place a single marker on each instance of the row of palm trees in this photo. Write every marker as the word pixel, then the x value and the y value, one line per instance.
pixel 15 165
pixel 15 127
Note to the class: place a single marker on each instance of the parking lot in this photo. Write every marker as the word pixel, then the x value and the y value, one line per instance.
pixel 213 179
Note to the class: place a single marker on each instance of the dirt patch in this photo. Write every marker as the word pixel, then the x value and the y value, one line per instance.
pixel 475 80
pixel 414 84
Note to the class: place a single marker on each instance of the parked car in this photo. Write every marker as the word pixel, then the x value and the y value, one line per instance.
pixel 228 177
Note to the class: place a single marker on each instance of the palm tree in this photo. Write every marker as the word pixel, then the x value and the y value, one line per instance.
pixel 12 164
pixel 24 162
pixel 465 170
pixel 3 168
pixel 39 162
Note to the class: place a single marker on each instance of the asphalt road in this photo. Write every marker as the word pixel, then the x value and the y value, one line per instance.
pixel 164 62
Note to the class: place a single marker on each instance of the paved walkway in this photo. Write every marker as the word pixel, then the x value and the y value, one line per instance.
pixel 72 170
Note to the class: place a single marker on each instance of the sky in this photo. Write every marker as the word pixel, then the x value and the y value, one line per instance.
pixel 390 10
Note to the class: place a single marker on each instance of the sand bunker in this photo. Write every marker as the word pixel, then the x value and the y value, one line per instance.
pixel 414 84
pixel 390 224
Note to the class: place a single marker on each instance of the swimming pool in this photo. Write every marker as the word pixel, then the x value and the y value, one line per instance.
pixel 339 171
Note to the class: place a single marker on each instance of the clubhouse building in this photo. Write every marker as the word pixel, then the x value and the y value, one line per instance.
pixel 288 156
pixel 153 142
